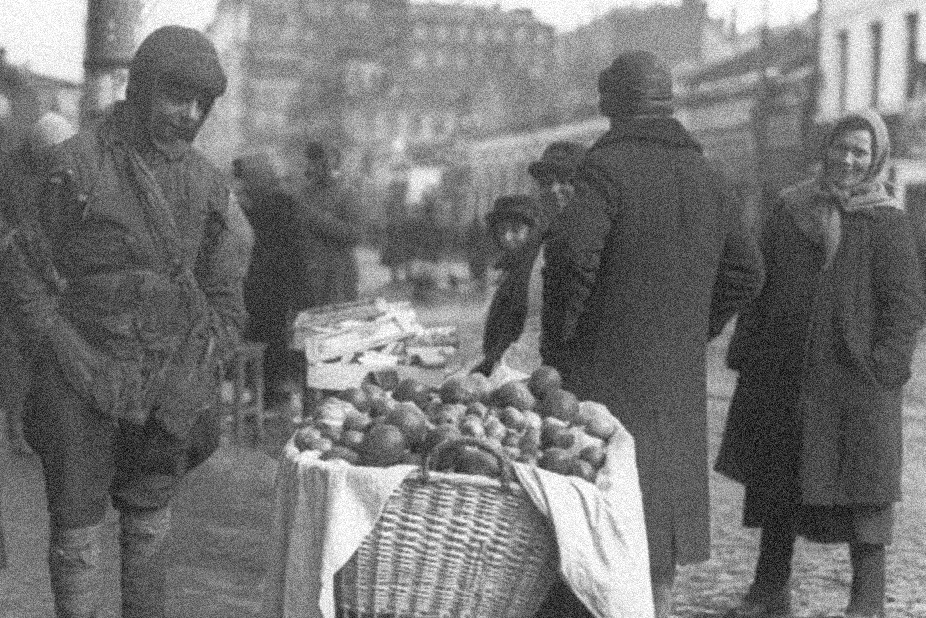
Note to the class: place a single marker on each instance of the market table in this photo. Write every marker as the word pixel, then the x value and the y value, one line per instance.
pixel 346 344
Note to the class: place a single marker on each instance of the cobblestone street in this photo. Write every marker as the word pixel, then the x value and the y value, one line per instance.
pixel 223 516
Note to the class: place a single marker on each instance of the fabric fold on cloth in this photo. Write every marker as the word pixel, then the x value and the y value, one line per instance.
pixel 324 510
pixel 600 531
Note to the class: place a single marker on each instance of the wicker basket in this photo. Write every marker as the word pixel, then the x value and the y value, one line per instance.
pixel 451 545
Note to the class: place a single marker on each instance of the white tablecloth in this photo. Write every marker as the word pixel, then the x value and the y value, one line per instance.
pixel 325 509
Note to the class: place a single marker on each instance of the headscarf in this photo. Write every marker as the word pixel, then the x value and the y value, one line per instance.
pixel 818 206
pixel 636 84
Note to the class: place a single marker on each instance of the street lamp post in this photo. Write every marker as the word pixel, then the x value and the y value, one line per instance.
pixel 762 110
pixel 112 27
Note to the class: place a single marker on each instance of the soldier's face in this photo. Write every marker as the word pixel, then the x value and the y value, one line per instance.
pixel 848 157
pixel 177 113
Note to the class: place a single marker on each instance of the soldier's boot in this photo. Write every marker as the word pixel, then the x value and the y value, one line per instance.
pixel 143 545
pixel 74 565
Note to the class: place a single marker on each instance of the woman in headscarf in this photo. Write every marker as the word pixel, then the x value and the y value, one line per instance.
pixel 814 428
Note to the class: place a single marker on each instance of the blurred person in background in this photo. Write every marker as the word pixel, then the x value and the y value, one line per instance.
pixel 514 226
pixel 518 226
pixel 23 176
pixel 647 263
pixel 814 430
pixel 396 246
pixel 330 226
pixel 478 248
pixel 279 281
pixel 553 174
pixel 126 281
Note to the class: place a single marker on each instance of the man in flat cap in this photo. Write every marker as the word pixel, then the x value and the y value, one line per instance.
pixel 127 285
pixel 649 260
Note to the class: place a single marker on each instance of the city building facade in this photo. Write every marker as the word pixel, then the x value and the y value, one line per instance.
pixel 393 85
pixel 25 96
pixel 302 70
pixel 682 34
pixel 754 112
pixel 475 71
pixel 871 54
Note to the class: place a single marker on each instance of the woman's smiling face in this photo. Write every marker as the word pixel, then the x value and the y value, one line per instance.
pixel 849 157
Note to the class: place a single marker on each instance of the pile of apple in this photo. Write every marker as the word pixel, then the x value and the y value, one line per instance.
pixel 534 421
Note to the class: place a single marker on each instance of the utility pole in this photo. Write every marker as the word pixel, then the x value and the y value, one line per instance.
pixel 762 109
pixel 112 27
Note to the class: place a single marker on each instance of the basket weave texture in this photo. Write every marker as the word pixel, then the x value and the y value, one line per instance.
pixel 454 545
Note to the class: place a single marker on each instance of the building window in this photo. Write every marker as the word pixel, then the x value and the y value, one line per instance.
pixel 362 76
pixel 876 42
pixel 357 10
pixel 843 39
pixel 913 45
pixel 419 59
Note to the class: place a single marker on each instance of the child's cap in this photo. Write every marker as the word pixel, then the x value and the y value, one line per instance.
pixel 519 207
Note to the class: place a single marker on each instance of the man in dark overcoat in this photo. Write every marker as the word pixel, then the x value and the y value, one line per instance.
pixel 279 280
pixel 124 277
pixel 648 262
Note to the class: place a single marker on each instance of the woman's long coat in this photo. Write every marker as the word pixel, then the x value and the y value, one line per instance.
pixel 822 357
pixel 646 263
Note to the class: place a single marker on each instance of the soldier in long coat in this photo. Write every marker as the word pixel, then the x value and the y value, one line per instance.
pixel 125 280
pixel 649 261
pixel 814 428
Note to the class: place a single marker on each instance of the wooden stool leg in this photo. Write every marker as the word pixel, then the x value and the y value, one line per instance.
pixel 257 375
pixel 239 403
pixel 258 368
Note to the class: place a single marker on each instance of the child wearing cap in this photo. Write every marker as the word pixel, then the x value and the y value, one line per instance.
pixel 514 226
pixel 519 225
